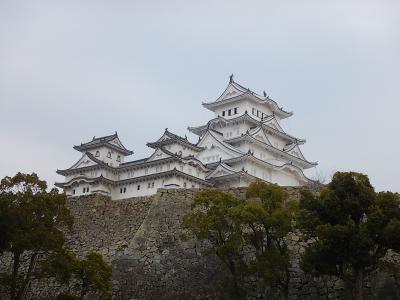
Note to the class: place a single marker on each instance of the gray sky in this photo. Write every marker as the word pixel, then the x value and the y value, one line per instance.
pixel 71 70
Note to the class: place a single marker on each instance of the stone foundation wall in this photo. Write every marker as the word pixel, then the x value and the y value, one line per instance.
pixel 103 225
pixel 141 237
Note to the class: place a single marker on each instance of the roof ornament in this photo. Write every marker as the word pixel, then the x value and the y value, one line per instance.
pixel 265 94
pixel 94 137
pixel 185 137
pixel 166 129
pixel 231 78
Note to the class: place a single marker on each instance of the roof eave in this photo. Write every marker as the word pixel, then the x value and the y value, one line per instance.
pixel 83 148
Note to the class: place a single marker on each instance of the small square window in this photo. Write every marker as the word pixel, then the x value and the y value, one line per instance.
pixel 229 112
pixel 223 113
pixel 148 185
pixel 73 192
pixel 253 111
pixel 138 187
pixel 235 110
pixel 124 189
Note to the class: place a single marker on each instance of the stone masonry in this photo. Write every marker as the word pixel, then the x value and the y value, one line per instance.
pixel 142 239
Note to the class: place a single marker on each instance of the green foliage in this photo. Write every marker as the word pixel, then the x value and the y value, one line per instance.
pixel 93 275
pixel 353 228
pixel 259 225
pixel 267 218
pixel 31 220
pixel 89 275
pixel 212 219
pixel 30 225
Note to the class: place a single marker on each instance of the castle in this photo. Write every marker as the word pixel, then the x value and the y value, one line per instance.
pixel 242 143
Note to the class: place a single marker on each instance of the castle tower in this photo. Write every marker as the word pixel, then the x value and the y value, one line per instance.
pixel 245 141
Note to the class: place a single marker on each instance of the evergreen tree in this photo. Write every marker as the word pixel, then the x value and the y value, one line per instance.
pixel 31 236
pixel 353 228
pixel 249 236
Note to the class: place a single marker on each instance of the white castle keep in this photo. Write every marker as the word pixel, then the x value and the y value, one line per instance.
pixel 244 142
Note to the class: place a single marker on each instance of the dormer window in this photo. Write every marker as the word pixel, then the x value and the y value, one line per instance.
pixel 97 154
pixel 109 154
pixel 119 158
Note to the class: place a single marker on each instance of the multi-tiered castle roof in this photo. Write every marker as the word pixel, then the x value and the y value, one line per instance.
pixel 243 142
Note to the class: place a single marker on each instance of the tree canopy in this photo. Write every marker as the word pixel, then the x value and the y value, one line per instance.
pixel 352 226
pixel 32 221
pixel 236 228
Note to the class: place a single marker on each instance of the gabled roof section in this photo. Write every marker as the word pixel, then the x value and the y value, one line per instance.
pixel 259 134
pixel 158 154
pixel 229 177
pixel 189 159
pixel 221 170
pixel 87 160
pixel 235 92
pixel 251 157
pixel 294 150
pixel 219 140
pixel 272 122
pixel 266 123
pixel 289 156
pixel 170 138
pixel 110 141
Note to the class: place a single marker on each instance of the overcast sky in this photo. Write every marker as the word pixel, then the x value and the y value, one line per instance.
pixel 71 70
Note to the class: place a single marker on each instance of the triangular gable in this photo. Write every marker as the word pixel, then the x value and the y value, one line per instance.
pixel 295 151
pixel 158 154
pixel 232 90
pixel 217 151
pixel 164 137
pixel 221 170
pixel 84 161
pixel 259 134
pixel 274 124
pixel 210 139
pixel 117 142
